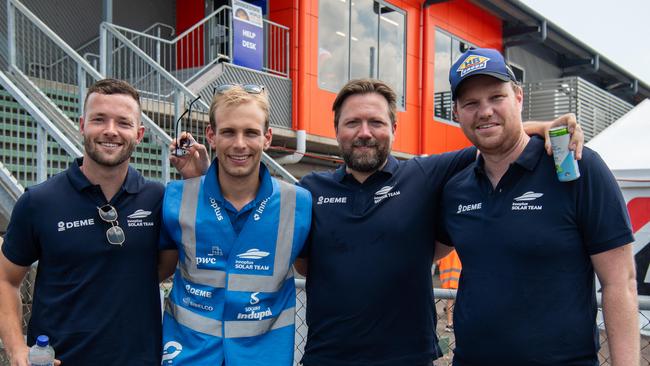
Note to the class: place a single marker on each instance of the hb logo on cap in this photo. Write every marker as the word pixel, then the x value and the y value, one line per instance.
pixel 479 61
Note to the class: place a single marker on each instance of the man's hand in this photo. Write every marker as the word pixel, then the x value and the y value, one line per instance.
pixel 577 137
pixel 19 357
pixel 193 164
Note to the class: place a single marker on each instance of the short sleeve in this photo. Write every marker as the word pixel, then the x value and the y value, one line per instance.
pixel 441 167
pixel 304 252
pixel 165 241
pixel 602 213
pixel 21 245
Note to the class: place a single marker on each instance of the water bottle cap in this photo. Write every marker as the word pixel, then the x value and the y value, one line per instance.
pixel 42 340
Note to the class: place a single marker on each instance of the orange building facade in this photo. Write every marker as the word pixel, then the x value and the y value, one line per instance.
pixel 409 26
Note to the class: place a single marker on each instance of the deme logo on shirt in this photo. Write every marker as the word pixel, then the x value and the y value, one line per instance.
pixel 63 226
pixel 470 207
pixel 327 200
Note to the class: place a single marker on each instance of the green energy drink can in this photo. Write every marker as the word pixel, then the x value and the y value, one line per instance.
pixel 566 165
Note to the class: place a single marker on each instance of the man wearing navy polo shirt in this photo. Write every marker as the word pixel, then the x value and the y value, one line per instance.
pixel 529 243
pixel 369 298
pixel 94 230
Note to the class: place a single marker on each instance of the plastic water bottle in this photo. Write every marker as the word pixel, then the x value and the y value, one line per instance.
pixel 41 354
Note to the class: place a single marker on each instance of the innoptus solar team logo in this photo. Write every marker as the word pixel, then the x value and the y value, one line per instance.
pixel 472 63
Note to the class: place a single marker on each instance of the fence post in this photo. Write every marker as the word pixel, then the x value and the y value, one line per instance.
pixel 11 33
pixel 81 83
pixel 41 154
pixel 287 56
pixel 165 163
pixel 103 49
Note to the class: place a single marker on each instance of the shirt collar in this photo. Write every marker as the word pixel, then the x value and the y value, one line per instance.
pixel 389 168
pixel 528 158
pixel 133 183
pixel 213 188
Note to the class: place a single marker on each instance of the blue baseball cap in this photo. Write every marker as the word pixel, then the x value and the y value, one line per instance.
pixel 479 61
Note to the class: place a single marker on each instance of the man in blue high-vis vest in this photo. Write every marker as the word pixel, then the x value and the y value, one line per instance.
pixel 235 233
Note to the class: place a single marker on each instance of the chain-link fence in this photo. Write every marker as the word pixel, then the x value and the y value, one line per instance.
pixel 446 336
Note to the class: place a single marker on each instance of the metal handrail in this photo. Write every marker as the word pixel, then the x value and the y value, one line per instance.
pixel 83 66
pixel 56 39
pixel 110 28
pixel 210 17
pixel 41 118
pixel 96 39
pixel 151 62
pixel 180 36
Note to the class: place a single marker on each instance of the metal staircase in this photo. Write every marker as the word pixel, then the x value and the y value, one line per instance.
pixel 44 84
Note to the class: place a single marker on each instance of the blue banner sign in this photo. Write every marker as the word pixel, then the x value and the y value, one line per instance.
pixel 248 35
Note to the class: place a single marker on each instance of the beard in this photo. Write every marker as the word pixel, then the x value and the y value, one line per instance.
pixel 368 161
pixel 105 160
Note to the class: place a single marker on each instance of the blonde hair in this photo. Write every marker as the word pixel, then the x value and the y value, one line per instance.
pixel 236 96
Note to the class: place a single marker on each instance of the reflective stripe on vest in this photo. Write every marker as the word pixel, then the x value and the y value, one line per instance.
pixel 187 221
pixel 248 328
pixel 283 245
pixel 193 320
pixel 236 282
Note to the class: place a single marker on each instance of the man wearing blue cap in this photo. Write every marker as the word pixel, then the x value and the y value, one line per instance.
pixel 529 243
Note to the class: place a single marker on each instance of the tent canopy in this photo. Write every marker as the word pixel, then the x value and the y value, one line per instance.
pixel 625 145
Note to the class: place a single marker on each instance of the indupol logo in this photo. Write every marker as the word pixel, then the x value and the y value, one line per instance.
pixel 139 214
pixel 254 298
pixel 521 203
pixel 253 254
pixel 171 349
pixel 385 192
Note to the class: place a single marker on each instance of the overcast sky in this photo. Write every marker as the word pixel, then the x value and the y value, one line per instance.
pixel 619 30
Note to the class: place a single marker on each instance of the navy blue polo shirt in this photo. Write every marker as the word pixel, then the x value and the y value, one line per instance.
pixel 369 290
pixel 99 303
pixel 526 294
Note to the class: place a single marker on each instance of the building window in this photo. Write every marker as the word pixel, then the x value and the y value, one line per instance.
pixel 360 39
pixel 448 49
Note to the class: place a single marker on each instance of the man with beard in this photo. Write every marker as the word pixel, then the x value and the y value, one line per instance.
pixel 94 231
pixel 529 243
pixel 371 246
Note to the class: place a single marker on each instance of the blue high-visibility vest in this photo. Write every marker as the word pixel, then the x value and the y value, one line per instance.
pixel 233 298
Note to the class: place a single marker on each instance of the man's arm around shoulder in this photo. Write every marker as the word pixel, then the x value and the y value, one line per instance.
pixel 616 272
